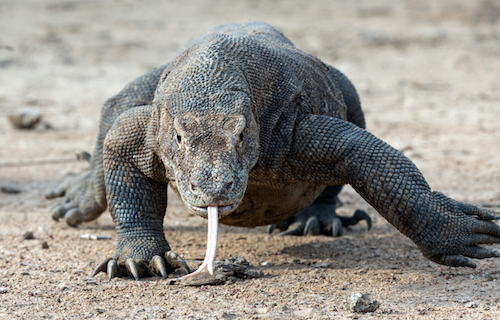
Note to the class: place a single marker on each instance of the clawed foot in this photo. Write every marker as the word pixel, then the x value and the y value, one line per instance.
pixel 319 218
pixel 157 266
pixel 454 232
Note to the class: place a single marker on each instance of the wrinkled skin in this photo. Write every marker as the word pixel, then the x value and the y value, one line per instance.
pixel 245 122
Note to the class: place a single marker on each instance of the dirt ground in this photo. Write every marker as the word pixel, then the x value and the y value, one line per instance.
pixel 427 73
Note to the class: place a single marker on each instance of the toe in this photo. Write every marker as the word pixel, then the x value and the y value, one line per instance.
pixel 55 193
pixel 132 268
pixel 483 214
pixel 175 261
pixel 296 229
pixel 480 238
pixel 112 269
pixel 336 227
pixel 486 227
pixel 102 267
pixel 480 253
pixel 361 215
pixel 159 266
pixel 455 261
pixel 73 217
pixel 312 226
pixel 270 228
pixel 57 211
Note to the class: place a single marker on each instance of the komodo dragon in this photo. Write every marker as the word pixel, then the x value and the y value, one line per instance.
pixel 249 130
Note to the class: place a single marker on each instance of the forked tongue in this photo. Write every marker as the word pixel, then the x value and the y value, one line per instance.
pixel 208 262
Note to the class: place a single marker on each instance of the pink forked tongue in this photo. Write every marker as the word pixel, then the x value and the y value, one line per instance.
pixel 208 262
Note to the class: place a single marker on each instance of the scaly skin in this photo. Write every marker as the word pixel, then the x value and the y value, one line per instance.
pixel 245 122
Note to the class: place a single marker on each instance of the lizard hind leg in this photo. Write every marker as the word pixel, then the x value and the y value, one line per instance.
pixel 320 217
pixel 81 200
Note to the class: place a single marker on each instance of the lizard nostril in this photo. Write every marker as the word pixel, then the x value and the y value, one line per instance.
pixel 229 186
pixel 193 187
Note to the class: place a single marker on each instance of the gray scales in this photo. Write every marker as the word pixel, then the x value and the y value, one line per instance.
pixel 246 124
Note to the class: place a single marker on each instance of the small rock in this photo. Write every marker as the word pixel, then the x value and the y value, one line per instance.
pixel 9 189
pixel 63 286
pixel 471 305
pixel 3 290
pixel 471 277
pixel 254 273
pixel 204 279
pixel 88 236
pixel 264 264
pixel 359 302
pixel 262 310
pixel 463 301
pixel 45 245
pixel 304 313
pixel 83 156
pixel 228 316
pixel 25 118
pixel 322 265
pixel 100 310
pixel 28 235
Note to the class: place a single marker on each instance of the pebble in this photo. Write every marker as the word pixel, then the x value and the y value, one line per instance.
pixel 254 273
pixel 322 265
pixel 9 189
pixel 471 305
pixel 45 245
pixel 25 118
pixel 28 235
pixel 3 290
pixel 359 302
pixel 262 310
pixel 88 236
pixel 63 286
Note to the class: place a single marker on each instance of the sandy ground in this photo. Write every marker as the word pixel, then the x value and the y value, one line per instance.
pixel 426 71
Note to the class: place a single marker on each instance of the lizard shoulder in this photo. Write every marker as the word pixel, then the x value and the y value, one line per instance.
pixel 134 138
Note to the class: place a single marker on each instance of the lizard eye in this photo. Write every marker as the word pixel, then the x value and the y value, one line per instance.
pixel 179 139
pixel 241 137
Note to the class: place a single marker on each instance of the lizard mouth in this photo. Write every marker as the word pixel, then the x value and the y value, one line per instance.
pixel 223 210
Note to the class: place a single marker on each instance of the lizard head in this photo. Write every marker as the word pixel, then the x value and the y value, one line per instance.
pixel 210 153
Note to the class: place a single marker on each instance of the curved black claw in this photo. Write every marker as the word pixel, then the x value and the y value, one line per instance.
pixel 319 218
pixel 337 227
pixel 312 226
pixel 158 266
pixel 102 267
pixel 295 229
pixel 132 268
pixel 271 228
pixel 359 215
pixel 113 269
pixel 175 261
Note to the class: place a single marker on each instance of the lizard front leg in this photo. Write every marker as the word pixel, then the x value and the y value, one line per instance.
pixel 333 151
pixel 136 189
